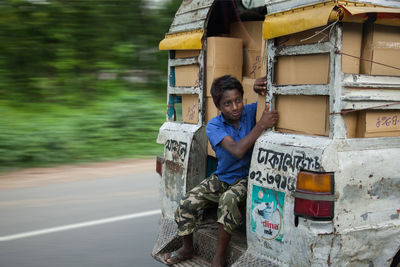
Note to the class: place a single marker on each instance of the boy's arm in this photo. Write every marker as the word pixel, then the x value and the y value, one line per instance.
pixel 239 149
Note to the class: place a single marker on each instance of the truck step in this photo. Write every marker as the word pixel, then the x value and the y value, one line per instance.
pixel 206 239
pixel 205 243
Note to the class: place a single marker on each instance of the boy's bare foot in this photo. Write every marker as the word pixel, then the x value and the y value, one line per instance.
pixel 178 256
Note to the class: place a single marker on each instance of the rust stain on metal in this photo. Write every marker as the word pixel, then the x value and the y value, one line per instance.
pixel 174 166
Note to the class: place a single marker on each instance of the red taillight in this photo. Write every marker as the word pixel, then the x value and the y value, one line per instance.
pixel 159 163
pixel 314 195
pixel 313 208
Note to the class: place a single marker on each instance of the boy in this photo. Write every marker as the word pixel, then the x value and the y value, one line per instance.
pixel 232 135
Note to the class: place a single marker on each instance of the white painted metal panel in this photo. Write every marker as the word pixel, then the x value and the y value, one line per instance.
pixel 275 6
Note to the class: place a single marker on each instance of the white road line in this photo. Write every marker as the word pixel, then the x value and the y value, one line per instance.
pixel 79 225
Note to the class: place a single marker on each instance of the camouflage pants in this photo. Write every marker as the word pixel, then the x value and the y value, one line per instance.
pixel 209 192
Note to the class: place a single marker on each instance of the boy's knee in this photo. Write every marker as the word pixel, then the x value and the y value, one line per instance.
pixel 227 201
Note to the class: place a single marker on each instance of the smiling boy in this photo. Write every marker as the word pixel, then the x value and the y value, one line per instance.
pixel 232 136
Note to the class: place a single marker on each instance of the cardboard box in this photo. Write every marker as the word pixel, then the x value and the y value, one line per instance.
pixel 260 106
pixel 251 34
pixel 190 109
pixel 378 123
pixel 224 56
pixel 351 44
pixel 249 31
pixel 211 109
pixel 249 94
pixel 304 69
pixel 210 151
pixel 303 114
pixel 350 121
pixel 381 44
pixel 186 53
pixel 187 75
pixel 251 63
pixel 264 58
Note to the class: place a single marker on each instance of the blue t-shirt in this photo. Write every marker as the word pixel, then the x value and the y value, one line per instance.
pixel 229 168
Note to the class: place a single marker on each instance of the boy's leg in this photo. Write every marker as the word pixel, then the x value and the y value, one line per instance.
pixel 229 217
pixel 188 213
pixel 223 240
pixel 204 195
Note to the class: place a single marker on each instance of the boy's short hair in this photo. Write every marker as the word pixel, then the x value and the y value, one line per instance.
pixel 221 84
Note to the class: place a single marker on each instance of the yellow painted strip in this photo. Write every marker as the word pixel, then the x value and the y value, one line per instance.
pixel 191 40
pixel 301 19
pixel 354 10
pixel 298 20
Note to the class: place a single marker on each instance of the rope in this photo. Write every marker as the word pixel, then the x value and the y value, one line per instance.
pixel 343 112
pixel 330 27
pixel 378 63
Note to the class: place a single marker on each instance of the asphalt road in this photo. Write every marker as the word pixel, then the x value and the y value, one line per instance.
pixel 91 215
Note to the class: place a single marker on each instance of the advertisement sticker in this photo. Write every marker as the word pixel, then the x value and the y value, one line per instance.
pixel 267 213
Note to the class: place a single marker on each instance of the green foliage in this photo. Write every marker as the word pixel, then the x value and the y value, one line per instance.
pixel 58 48
pixel 124 125
pixel 63 70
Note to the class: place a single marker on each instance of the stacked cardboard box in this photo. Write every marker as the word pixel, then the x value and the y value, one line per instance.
pixel 224 56
pixel 187 75
pixel 381 44
pixel 310 114
pixel 190 108
pixel 372 123
pixel 303 114
pixel 249 94
pixel 251 34
pixel 314 69
pixel 186 53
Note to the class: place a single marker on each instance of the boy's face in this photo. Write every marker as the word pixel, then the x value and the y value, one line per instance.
pixel 231 105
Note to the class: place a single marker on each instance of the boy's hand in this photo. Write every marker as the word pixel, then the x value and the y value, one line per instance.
pixel 260 86
pixel 268 118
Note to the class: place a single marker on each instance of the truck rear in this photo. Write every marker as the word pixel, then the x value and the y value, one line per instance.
pixel 324 184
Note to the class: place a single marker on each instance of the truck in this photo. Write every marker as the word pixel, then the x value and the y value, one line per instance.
pixel 324 183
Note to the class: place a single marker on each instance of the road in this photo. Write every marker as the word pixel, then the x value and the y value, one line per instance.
pixel 103 214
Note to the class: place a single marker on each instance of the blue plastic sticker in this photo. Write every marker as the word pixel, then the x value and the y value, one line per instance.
pixel 267 213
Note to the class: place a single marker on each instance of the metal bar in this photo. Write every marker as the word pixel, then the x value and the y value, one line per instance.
pixel 184 90
pixel 362 104
pixel 371 81
pixel 337 127
pixel 303 89
pixel 318 48
pixel 183 61
pixel 191 16
pixel 194 5
pixel 196 25
pixel 371 95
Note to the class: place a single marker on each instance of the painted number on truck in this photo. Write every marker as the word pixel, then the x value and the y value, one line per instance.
pixel 280 181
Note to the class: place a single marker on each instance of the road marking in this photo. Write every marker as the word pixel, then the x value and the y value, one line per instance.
pixel 79 225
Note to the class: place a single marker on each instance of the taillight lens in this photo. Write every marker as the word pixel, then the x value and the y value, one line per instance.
pixel 159 163
pixel 314 195
pixel 314 182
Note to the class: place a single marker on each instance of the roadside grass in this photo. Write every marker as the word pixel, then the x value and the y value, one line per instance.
pixel 123 125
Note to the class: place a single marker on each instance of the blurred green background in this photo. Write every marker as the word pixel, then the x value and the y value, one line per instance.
pixel 81 80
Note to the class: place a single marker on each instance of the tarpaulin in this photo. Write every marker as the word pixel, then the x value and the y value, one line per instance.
pixel 301 19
